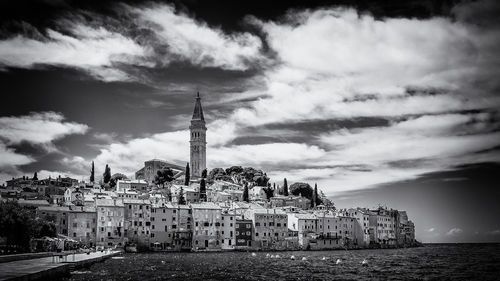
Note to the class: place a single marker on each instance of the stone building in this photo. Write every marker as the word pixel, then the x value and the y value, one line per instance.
pixel 198 140
pixel 227 231
pixel 270 227
pixel 110 222
pixel 243 233
pixel 171 227
pixel 151 168
pixel 82 225
pixel 137 221
pixel 56 214
pixel 207 220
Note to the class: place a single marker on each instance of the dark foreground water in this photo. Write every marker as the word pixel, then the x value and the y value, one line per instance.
pixel 432 262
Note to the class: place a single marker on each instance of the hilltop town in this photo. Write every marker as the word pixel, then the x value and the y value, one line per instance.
pixel 171 207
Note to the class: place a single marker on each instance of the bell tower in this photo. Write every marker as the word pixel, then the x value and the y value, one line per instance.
pixel 198 140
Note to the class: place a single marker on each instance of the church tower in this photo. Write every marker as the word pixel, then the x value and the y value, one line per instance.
pixel 198 140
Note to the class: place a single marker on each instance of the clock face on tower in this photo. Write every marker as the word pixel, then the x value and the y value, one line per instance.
pixel 195 148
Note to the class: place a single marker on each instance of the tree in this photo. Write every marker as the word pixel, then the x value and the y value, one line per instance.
pixel 92 173
pixel 181 200
pixel 234 170
pixel 203 186
pixel 35 177
pixel 42 228
pixel 187 177
pixel 107 174
pixel 18 225
pixel 261 180
pixel 315 198
pixel 269 192
pixel 203 190
pixel 301 188
pixel 164 176
pixel 245 194
pixel 285 187
pixel 112 183
pixel 218 174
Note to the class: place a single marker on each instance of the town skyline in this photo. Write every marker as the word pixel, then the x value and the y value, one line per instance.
pixel 405 108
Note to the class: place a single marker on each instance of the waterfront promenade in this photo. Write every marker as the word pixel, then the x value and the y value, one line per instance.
pixel 49 267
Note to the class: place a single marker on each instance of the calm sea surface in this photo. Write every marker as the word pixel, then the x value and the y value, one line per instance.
pixel 432 262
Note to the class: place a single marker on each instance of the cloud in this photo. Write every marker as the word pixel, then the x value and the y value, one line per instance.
pixel 432 80
pixel 431 229
pixel 93 49
pixel 423 76
pixel 191 40
pixel 9 158
pixel 454 232
pixel 38 128
pixel 108 51
pixel 336 63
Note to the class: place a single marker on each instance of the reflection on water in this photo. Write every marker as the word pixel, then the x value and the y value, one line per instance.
pixel 432 262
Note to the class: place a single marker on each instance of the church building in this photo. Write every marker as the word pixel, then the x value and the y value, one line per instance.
pixel 198 140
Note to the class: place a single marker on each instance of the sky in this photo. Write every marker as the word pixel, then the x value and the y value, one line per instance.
pixel 391 103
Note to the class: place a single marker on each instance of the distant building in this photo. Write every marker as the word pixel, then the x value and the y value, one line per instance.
pixel 110 222
pixel 198 140
pixel 171 227
pixel 382 227
pixel 227 231
pixel 243 229
pixel 56 214
pixel 82 225
pixel 137 185
pixel 151 168
pixel 137 221
pixel 191 195
pixel 305 224
pixel 291 201
pixel 270 227
pixel 207 220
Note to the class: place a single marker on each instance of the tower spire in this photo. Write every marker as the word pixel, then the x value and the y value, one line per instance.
pixel 198 110
pixel 198 140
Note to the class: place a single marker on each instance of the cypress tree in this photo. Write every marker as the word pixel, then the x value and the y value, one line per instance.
pixel 107 174
pixel 187 177
pixel 285 188
pixel 245 194
pixel 203 186
pixel 92 173
pixel 35 177
pixel 314 199
pixel 203 190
